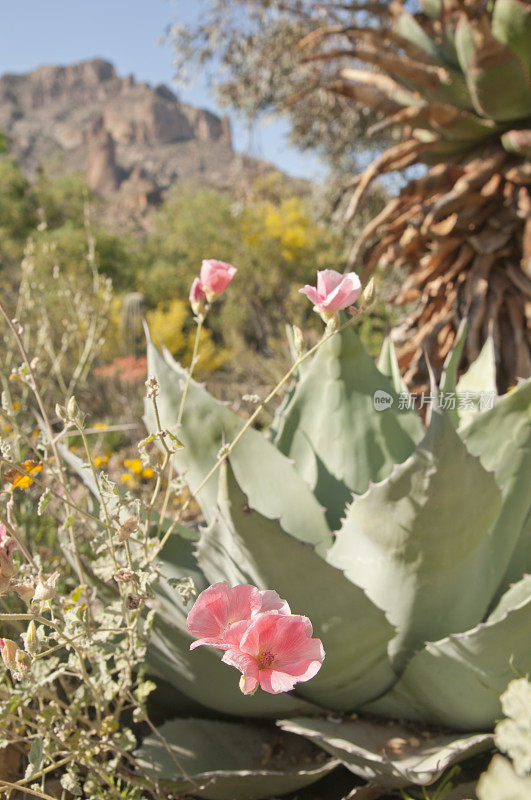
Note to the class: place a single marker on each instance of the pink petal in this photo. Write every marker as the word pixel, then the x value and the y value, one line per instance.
pixel 274 682
pixel 327 281
pixel 220 606
pixel 214 641
pixel 312 293
pixel 196 292
pixel 216 275
pixel 272 602
pixel 247 666
pixel 346 293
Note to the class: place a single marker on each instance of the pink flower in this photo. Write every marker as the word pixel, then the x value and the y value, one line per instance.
pixel 334 291
pixel 197 296
pixel 276 651
pixel 215 276
pixel 221 614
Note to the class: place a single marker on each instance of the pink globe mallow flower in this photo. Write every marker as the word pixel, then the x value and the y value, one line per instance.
pixel 275 652
pixel 221 613
pixel 197 296
pixel 215 276
pixel 334 292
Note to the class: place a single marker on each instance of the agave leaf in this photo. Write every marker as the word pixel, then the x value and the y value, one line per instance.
pixel 388 365
pixel 198 674
pixel 518 141
pixel 267 476
pixel 230 760
pixel 301 369
pixel 454 91
pixel 496 78
pixel 521 558
pixel 448 382
pixel 501 438
pixel 467 128
pixel 457 681
pixel 332 414
pixel 447 150
pixel 416 541
pixel 389 754
pixel 511 25
pixel 500 781
pixel 409 28
pixel 515 595
pixel 432 7
pixel 479 381
pixel 246 547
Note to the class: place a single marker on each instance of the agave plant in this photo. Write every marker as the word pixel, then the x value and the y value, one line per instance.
pixel 407 548
pixel 459 76
pixel 463 231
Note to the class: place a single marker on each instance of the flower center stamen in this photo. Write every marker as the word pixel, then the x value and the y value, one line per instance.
pixel 265 659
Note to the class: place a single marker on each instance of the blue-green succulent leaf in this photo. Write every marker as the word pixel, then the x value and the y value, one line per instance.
pixel 388 365
pixel 388 754
pixel 477 385
pixel 501 438
pixel 266 475
pixel 448 382
pixel 417 541
pixel 457 682
pixel 230 760
pixel 243 546
pixel 515 595
pixel 348 415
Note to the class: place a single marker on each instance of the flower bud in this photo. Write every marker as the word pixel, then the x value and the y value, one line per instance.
pixel 8 650
pixel 22 665
pixel 61 412
pixel 367 296
pixel 197 297
pixel 74 412
pixel 31 640
pixel 45 589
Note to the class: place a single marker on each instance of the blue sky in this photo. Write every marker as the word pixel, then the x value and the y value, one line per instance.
pixel 128 32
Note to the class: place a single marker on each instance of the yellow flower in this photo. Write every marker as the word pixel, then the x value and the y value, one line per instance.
pixel 134 464
pixel 147 472
pixel 16 405
pixel 18 479
pixel 101 461
pixel 100 426
pixel 126 478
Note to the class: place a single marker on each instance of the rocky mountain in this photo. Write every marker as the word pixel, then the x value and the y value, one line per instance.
pixel 132 140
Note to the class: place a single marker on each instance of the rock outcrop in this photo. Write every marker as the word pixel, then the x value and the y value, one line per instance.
pixel 127 136
pixel 103 173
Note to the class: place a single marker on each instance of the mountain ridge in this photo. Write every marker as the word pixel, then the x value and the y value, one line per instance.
pixel 132 140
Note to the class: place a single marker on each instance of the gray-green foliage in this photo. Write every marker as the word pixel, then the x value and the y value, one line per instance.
pixel 404 547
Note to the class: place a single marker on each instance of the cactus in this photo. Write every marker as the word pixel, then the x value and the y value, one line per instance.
pixel 408 549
